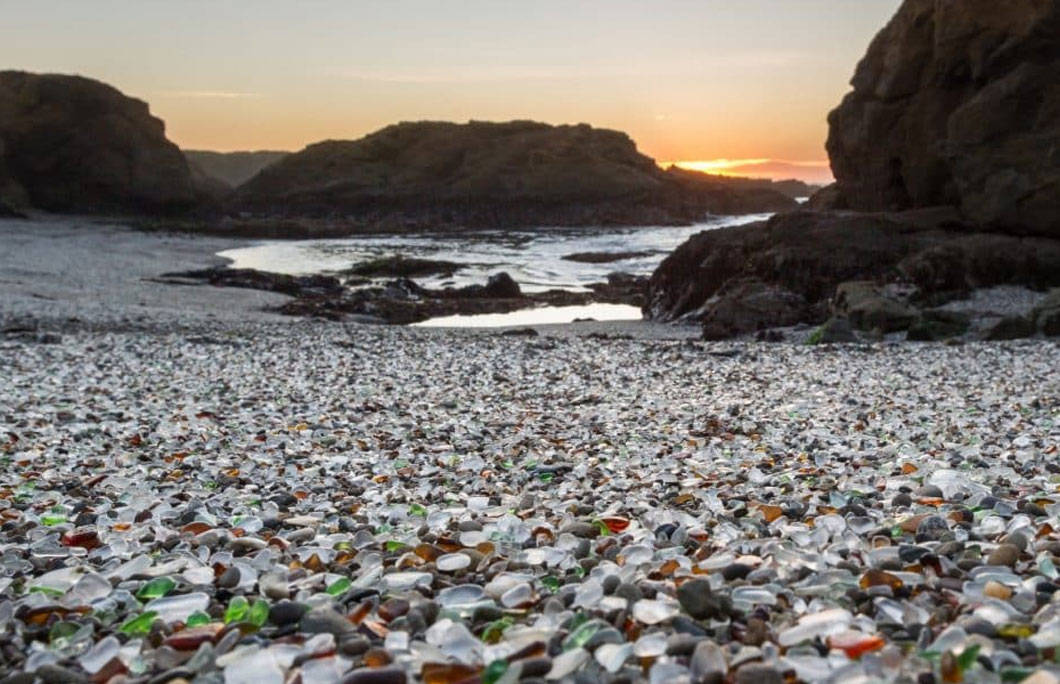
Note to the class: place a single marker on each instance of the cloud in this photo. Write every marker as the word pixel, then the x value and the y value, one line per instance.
pixel 209 94
pixel 692 65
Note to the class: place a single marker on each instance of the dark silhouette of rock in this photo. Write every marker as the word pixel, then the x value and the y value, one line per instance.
pixel 604 257
pixel 502 286
pixel 749 305
pixel 400 266
pixel 802 257
pixel 232 168
pixel 71 144
pixel 836 330
pixel 1047 315
pixel 936 325
pixel 491 175
pixel 867 307
pixel 807 253
pixel 1010 328
pixel 795 189
pixel 947 160
pixel 957 103
pixel 252 279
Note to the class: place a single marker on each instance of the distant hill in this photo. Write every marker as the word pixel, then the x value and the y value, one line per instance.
pixel 793 188
pixel 233 168
pixel 519 173
pixel 72 144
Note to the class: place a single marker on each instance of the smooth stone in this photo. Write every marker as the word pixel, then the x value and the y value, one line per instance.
pixel 736 571
pixel 286 612
pixel 380 675
pixel 173 676
pixel 607 635
pixel 682 624
pixel 758 673
pixel 580 529
pixel 325 621
pixel 931 528
pixel 630 592
pixel 1006 554
pixel 681 644
pixel 536 667
pixel 354 645
pixel 229 579
pixel 1017 539
pixel 56 674
pixel 697 599
pixel 708 659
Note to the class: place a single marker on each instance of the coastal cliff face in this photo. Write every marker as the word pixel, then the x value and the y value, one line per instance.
pixel 947 160
pixel 71 144
pixel 957 103
pixel 490 174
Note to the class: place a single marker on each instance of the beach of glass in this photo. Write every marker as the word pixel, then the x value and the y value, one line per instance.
pixel 317 503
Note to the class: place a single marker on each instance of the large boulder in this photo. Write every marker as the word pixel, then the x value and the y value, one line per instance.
pixel 868 307
pixel 810 257
pixel 1047 315
pixel 749 306
pixel 957 102
pixel 520 173
pixel 71 144
pixel 806 253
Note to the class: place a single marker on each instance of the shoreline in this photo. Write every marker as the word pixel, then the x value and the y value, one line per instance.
pixel 103 279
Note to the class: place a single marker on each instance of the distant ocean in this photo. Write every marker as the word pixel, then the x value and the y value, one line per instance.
pixel 534 258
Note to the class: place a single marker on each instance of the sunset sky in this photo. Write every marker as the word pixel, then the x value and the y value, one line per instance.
pixel 689 80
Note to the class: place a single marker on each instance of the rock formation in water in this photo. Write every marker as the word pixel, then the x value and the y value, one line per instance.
pixel 491 174
pixel 947 160
pixel 957 103
pixel 71 144
pixel 232 168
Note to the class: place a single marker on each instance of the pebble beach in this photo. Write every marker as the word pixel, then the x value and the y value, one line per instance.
pixel 231 497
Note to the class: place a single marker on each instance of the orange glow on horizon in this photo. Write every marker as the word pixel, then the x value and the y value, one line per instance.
pixel 815 171
pixel 720 167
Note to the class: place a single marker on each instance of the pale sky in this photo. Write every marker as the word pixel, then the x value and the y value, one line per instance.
pixel 687 79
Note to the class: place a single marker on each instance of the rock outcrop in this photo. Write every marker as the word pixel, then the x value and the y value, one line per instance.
pixel 803 267
pixel 947 160
pixel 71 144
pixel 957 103
pixel 491 175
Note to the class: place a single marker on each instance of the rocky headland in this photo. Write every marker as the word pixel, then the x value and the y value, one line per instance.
pixel 494 175
pixel 947 160
pixel 74 145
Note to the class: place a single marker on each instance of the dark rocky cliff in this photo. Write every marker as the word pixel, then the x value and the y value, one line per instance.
pixel 71 144
pixel 947 160
pixel 491 174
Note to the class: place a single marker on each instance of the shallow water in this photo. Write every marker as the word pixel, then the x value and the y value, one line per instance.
pixel 534 258
pixel 545 315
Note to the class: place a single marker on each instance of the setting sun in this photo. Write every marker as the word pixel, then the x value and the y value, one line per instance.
pixel 809 171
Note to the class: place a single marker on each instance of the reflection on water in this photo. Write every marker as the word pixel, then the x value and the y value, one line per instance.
pixel 542 316
pixel 534 258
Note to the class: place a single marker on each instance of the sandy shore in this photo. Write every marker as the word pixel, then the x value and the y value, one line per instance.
pixel 64 274
pixel 69 273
